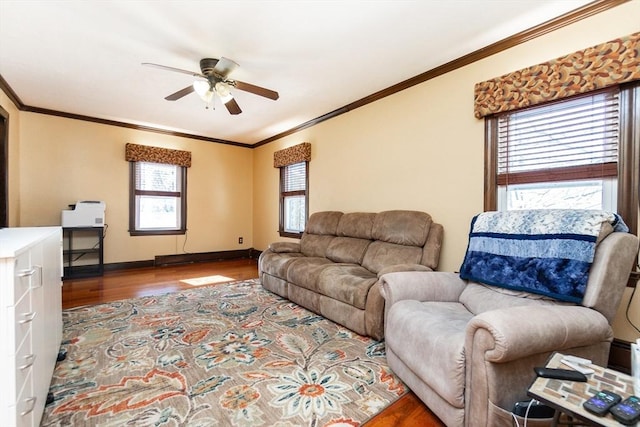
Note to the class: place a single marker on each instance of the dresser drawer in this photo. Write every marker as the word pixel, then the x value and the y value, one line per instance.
pixel 24 275
pixel 25 404
pixel 23 367
pixel 22 320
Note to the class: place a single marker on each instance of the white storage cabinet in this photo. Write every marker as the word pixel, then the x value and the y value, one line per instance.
pixel 31 330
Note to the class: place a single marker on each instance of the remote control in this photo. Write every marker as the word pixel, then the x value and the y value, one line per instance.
pixel 601 402
pixel 628 411
pixel 560 374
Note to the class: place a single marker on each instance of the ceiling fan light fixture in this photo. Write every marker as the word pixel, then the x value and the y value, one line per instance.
pixel 224 91
pixel 203 90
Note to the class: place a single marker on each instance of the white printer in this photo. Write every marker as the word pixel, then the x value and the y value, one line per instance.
pixel 85 213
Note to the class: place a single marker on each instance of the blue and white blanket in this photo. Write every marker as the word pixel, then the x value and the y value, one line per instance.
pixel 547 252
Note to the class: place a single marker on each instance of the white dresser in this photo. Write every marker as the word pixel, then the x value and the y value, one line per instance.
pixel 31 329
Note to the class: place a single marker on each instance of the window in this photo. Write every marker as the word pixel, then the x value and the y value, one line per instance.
pixel 293 199
pixel 157 199
pixel 575 153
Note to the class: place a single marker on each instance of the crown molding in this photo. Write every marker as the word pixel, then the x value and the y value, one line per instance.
pixel 576 15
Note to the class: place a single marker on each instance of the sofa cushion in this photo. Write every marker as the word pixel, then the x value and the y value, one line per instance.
pixel 346 283
pixel 357 224
pixel 437 357
pixel 382 254
pixel 347 249
pixel 323 222
pixel 315 245
pixel 478 298
pixel 304 271
pixel 402 227
pixel 276 264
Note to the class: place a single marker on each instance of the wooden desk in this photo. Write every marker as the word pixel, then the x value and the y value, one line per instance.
pixel 568 396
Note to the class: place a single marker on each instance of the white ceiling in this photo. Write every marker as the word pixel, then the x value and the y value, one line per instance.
pixel 84 57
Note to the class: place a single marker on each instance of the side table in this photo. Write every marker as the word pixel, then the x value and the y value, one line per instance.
pixel 568 396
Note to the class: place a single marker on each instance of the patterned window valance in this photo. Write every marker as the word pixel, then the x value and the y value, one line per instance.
pixel 145 153
pixel 296 154
pixel 597 67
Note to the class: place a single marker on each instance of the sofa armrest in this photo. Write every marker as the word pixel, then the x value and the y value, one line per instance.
pixel 421 286
pixel 282 247
pixel 403 267
pixel 517 332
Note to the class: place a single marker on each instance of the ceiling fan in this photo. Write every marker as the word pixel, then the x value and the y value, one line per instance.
pixel 215 73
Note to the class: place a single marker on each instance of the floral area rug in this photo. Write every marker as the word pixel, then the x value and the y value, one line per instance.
pixel 226 355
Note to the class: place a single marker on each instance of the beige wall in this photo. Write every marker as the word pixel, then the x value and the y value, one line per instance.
pixel 422 148
pixel 63 161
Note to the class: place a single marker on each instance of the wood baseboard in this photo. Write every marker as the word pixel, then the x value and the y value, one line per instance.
pixel 165 260
pixel 168 260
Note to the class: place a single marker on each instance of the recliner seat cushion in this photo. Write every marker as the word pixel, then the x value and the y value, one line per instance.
pixel 276 264
pixel 478 298
pixel 347 283
pixel 304 272
pixel 437 357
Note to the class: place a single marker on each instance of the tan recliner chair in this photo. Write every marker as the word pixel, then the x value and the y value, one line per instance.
pixel 468 349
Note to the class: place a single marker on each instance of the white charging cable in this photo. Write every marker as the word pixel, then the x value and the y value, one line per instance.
pixel 526 414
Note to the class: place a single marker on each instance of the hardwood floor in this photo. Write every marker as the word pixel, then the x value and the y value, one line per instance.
pixel 408 411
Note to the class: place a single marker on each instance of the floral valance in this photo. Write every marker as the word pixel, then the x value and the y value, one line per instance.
pixel 598 67
pixel 145 153
pixel 296 154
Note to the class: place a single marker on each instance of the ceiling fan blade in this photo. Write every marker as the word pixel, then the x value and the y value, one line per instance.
pixel 256 90
pixel 224 67
pixel 233 106
pixel 179 94
pixel 177 70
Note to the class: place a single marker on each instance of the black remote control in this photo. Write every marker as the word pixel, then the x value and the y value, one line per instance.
pixel 560 374
pixel 600 403
pixel 628 411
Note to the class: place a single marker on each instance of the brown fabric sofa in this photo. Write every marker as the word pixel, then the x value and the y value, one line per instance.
pixel 335 269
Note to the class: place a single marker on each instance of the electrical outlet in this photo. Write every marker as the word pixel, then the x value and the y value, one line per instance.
pixel 240 240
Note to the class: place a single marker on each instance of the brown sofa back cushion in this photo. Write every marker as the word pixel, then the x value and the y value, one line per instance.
pixel 320 230
pixel 347 249
pixel 357 224
pixel 383 254
pixel 323 222
pixel 402 227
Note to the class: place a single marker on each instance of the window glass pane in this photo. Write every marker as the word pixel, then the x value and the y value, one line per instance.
pixel 294 214
pixel 158 212
pixel 157 177
pixel 593 194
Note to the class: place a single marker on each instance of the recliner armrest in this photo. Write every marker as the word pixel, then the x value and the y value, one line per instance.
pixel 517 332
pixel 283 247
pixel 421 286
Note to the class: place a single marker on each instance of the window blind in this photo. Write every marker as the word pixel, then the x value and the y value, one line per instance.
pixel 295 177
pixel 572 139
pixel 156 177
